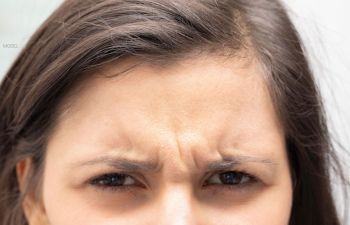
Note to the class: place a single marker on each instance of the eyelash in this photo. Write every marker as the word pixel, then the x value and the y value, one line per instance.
pixel 96 182
pixel 251 180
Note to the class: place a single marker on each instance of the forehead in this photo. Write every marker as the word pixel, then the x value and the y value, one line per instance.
pixel 204 98
pixel 232 83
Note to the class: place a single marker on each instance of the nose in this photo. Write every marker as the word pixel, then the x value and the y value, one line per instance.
pixel 176 207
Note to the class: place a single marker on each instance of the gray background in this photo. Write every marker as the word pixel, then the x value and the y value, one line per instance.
pixel 323 24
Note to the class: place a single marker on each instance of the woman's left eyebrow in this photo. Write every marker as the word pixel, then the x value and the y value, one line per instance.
pixel 229 162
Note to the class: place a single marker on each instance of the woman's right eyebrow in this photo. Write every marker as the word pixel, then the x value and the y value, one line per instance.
pixel 122 163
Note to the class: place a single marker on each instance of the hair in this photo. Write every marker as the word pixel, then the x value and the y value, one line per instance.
pixel 81 36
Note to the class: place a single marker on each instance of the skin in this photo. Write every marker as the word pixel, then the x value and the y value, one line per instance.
pixel 179 118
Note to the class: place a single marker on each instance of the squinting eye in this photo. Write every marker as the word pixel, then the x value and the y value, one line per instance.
pixel 230 178
pixel 123 182
pixel 113 180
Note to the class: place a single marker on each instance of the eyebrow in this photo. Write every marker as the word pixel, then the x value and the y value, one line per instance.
pixel 229 162
pixel 128 165
pixel 122 164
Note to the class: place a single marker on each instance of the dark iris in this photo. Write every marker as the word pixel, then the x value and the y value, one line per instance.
pixel 110 180
pixel 232 178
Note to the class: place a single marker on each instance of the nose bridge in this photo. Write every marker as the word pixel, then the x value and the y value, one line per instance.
pixel 177 206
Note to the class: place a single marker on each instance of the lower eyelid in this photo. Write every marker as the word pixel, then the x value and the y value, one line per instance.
pixel 125 188
pixel 246 188
pixel 252 181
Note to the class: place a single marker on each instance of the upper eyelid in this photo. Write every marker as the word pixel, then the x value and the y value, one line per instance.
pixel 138 179
pixel 210 174
pixel 251 177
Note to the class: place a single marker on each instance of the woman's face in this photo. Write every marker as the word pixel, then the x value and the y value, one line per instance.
pixel 196 142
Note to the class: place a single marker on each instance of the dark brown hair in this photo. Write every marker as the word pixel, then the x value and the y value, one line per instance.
pixel 83 35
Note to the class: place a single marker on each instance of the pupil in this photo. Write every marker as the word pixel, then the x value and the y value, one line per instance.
pixel 231 177
pixel 112 180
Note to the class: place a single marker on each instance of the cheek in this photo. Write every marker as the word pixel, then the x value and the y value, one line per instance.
pixel 271 208
pixel 65 205
pixel 69 208
pixel 59 206
pixel 274 206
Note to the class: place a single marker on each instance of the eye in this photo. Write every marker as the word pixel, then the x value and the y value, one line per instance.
pixel 114 181
pixel 231 178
